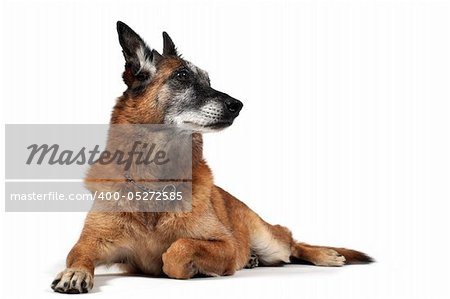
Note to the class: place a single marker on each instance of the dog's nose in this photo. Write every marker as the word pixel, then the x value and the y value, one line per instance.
pixel 233 105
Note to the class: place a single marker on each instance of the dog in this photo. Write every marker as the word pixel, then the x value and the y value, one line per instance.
pixel 220 235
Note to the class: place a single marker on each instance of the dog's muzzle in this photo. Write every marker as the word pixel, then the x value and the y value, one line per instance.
pixel 222 111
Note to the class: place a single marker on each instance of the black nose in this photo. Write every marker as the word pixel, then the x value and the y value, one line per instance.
pixel 233 105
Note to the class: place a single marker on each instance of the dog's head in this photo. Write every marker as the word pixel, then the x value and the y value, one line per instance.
pixel 164 88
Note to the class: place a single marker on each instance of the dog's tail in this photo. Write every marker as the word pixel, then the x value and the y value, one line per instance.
pixel 353 256
pixel 274 244
pixel 328 256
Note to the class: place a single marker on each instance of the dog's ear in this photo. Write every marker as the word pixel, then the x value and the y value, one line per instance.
pixel 139 63
pixel 156 56
pixel 169 48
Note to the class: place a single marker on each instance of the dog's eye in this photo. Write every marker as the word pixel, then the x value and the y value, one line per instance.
pixel 182 75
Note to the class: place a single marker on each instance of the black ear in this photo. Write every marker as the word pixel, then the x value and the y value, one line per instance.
pixel 169 48
pixel 156 56
pixel 138 56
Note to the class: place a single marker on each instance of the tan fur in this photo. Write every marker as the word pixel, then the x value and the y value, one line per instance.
pixel 216 238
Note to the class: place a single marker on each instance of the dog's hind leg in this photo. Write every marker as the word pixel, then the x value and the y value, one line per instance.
pixel 270 243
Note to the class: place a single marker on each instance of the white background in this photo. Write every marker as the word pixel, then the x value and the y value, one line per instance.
pixel 344 136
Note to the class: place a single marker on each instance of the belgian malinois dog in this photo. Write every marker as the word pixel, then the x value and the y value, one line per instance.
pixel 220 234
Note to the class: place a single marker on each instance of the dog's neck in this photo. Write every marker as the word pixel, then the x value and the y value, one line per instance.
pixel 196 144
pixel 197 149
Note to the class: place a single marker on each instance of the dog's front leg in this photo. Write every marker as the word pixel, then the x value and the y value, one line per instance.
pixel 187 257
pixel 78 277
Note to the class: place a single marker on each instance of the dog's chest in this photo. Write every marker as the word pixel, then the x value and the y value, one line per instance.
pixel 143 254
pixel 144 251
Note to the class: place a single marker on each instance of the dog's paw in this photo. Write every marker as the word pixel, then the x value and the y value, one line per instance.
pixel 329 258
pixel 253 262
pixel 177 260
pixel 73 281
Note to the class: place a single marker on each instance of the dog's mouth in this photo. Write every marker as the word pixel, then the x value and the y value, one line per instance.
pixel 219 125
pixel 210 126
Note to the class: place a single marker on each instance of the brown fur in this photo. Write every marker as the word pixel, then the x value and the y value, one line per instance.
pixel 216 238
